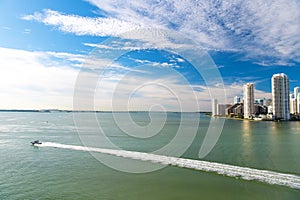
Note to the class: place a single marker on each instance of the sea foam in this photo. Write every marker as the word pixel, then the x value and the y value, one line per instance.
pixel 246 173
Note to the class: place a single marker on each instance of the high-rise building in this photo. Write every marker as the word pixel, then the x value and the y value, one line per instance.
pixel 214 107
pixel 236 99
pixel 298 103
pixel 296 91
pixel 280 95
pixel 293 104
pixel 270 110
pixel 248 100
pixel 297 97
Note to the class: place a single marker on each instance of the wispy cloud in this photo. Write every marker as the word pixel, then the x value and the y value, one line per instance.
pixel 268 63
pixel 27 31
pixel 167 64
pixel 6 28
pixel 118 66
pixel 82 25
pixel 256 27
pixel 125 46
pixel 67 56
pixel 260 29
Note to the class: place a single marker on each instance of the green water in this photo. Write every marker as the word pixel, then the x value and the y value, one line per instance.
pixel 28 172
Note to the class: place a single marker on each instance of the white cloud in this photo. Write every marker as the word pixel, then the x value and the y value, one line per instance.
pixel 111 47
pixel 82 25
pixel 39 80
pixel 180 60
pixel 276 63
pixel 164 64
pixel 122 91
pixel 118 66
pixel 67 56
pixel 30 80
pixel 128 91
pixel 34 80
pixel 170 63
pixel 258 28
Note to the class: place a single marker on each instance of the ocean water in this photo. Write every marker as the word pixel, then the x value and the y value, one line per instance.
pixel 49 172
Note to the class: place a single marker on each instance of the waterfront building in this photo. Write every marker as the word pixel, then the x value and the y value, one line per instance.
pixel 280 96
pixel 235 110
pixel 270 109
pixel 214 107
pixel 298 103
pixel 260 110
pixel 296 91
pixel 293 104
pixel 248 100
pixel 297 97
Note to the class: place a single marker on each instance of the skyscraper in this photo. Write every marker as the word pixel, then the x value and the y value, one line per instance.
pixel 214 107
pixel 248 100
pixel 296 91
pixel 293 104
pixel 298 103
pixel 280 95
pixel 297 99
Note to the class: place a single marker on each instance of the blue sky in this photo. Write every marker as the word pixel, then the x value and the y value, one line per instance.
pixel 45 45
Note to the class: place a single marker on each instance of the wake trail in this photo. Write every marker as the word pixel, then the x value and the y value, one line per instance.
pixel 246 173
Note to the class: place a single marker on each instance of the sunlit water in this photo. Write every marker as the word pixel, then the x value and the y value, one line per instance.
pixel 28 172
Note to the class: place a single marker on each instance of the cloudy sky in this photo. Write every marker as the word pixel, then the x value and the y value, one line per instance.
pixel 143 55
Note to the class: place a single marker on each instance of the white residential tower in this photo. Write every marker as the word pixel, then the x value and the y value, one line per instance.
pixel 280 96
pixel 248 100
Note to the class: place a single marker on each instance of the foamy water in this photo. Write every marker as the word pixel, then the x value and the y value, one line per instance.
pixel 266 176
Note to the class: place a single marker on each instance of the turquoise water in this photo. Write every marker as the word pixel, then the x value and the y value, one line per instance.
pixel 28 172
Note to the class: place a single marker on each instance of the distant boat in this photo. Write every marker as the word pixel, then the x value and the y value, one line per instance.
pixel 36 142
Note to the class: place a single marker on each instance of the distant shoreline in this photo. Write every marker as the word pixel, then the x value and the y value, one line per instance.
pixel 209 114
pixel 87 111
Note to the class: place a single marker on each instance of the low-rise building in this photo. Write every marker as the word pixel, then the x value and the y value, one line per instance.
pixel 235 110
pixel 260 110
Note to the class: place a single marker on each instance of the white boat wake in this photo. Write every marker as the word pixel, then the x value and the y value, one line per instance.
pixel 266 176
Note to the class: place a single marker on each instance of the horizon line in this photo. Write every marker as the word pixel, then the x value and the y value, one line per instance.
pixel 96 111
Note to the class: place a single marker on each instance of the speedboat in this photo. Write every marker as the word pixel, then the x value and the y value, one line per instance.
pixel 35 142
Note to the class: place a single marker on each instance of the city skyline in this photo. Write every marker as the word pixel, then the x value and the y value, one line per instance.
pixel 282 106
